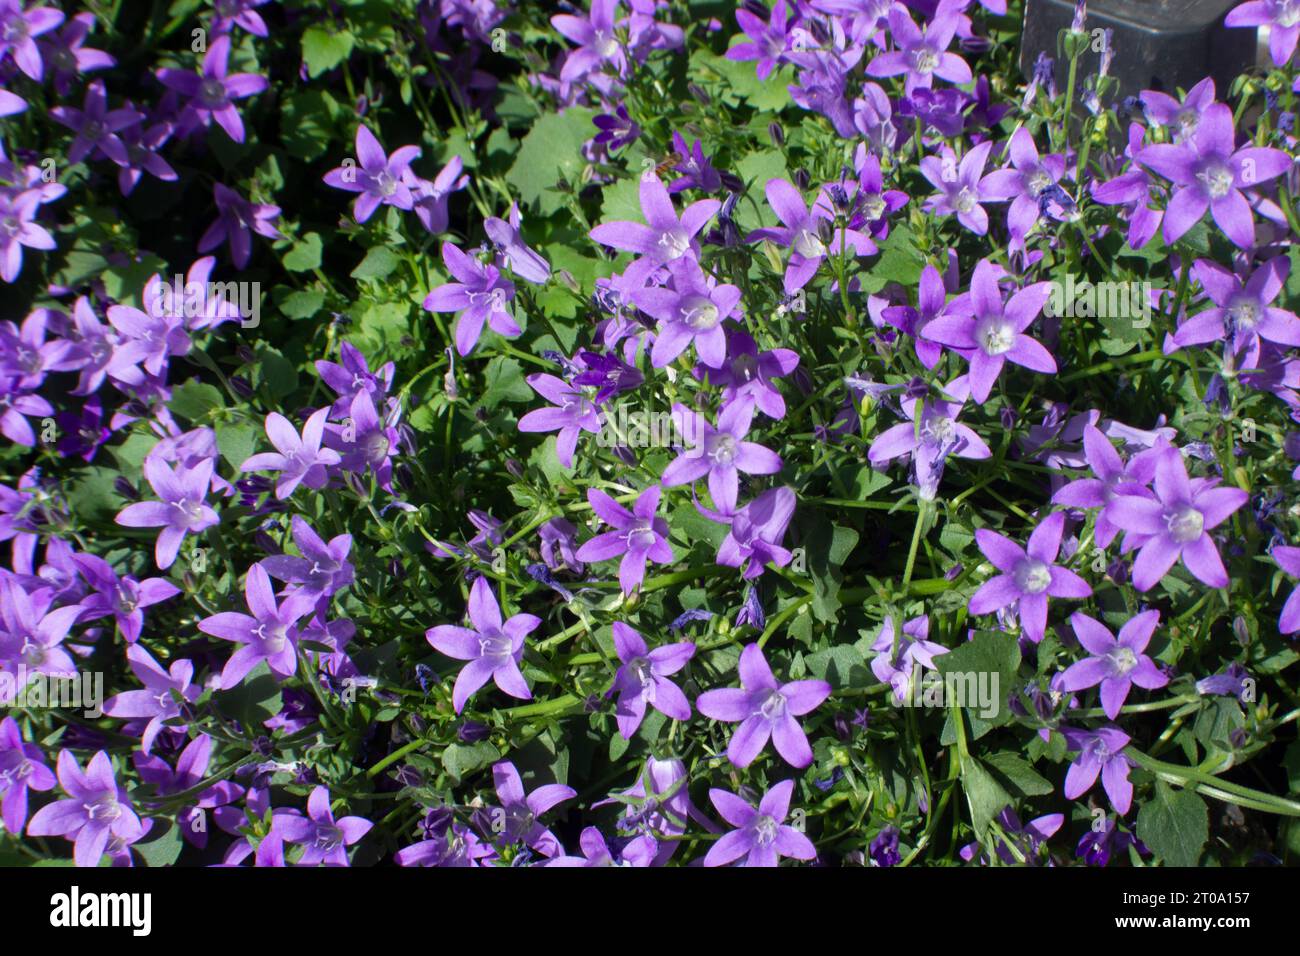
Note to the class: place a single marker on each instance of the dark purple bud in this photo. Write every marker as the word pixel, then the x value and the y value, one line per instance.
pixel 246 355
pixel 241 386
pixel 471 731
pixel 408 776
pixel 801 179
pixel 1008 417
pixel 777 134
pixel 125 489
pixel 514 467
pixel 698 92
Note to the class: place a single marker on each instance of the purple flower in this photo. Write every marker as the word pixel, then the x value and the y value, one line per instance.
pixel 756 532
pixel 875 201
pixel 381 179
pixel 237 220
pixel 1288 559
pixel 326 839
pixel 806 232
pixel 82 433
pixel 764 709
pixel 18 33
pixel 364 441
pixel 11 103
pixel 269 633
pixel 17 230
pixel 1024 183
pixel 493 648
pixel 1208 173
pixel 638 535
pixel 922 51
pixel 1244 312
pixel 96 126
pixel 994 333
pixel 616 129
pixel 323 569
pixel 928 440
pixel 1026 838
pixel 696 169
pixel 1233 680
pixel 664 239
pixel 183 509
pixel 212 91
pixel 513 252
pixel 1100 752
pixel 22 768
pixel 516 819
pixel 299 460
pixel 571 412
pixel 481 295
pixel 608 374
pixel 1115 664
pixel 1175 524
pixel 643 679
pixel 693 310
pixel 746 374
pixel 1161 109
pixel 430 198
pixel 914 648
pixel 190 771
pixel 123 597
pixel 559 534
pixel 228 14
pixel 161 699
pixel 640 851
pixel 353 376
pixel 766 41
pixel 720 453
pixel 962 186
pixel 1113 477
pixel 159 335
pixel 1282 17
pixel 598 44
pixel 761 835
pixel 1030 575
pixel 141 145
pixel 96 811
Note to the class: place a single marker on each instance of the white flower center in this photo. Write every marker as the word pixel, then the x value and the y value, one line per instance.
pixel 1032 576
pixel 995 335
pixel 1122 660
pixel 1185 523
pixel 808 244
pixel 699 313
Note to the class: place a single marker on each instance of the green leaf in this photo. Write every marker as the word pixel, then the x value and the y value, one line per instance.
pixel 504 379
pixel 277 373
pixel 255 699
pixel 993 658
pixel 165 846
pixel 827 549
pixel 1017 775
pixel 1175 824
pixel 551 151
pixel 92 496
pixel 308 122
pixel 237 441
pixel 378 263
pixel 304 255
pixel 841 666
pixel 462 759
pixel 195 400
pixel 324 48
pixel 303 303
pixel 984 795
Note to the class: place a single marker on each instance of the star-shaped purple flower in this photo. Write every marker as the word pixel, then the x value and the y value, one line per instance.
pixel 642 680
pixel 638 535
pixel 764 709
pixel 493 648
pixel 1115 664
pixel 1029 575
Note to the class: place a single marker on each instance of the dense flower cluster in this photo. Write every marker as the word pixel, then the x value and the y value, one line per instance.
pixel 790 370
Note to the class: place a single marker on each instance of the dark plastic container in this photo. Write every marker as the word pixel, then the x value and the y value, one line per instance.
pixel 1159 44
